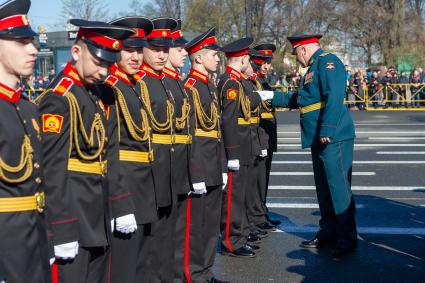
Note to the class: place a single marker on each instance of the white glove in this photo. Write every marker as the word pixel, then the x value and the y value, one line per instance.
pixel 233 164
pixel 112 225
pixel 126 224
pixel 199 188
pixel 265 94
pixel 263 153
pixel 66 251
pixel 225 178
pixel 52 260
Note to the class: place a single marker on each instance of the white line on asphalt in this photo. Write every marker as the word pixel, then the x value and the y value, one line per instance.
pixel 401 152
pixel 396 138
pixel 368 132
pixel 311 173
pixel 354 188
pixel 299 205
pixel 361 230
pixel 369 145
pixel 293 152
pixel 391 162
pixel 289 138
pixel 390 124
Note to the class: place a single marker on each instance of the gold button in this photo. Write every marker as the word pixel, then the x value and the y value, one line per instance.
pixel 38 180
pixel 36 165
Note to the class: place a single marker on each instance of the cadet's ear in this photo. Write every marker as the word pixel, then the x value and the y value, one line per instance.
pixel 76 52
pixel 198 58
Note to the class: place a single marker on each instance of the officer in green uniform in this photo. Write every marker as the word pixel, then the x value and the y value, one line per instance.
pixel 328 129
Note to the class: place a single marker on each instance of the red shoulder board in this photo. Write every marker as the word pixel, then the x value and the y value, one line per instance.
pixel 140 75
pixel 190 82
pixel 63 86
pixel 111 80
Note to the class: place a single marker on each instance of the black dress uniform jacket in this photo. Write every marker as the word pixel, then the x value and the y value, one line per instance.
pixel 76 189
pixel 236 124
pixel 268 118
pixel 182 113
pixel 23 246
pixel 130 153
pixel 208 160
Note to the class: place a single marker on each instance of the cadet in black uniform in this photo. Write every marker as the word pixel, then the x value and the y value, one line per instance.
pixel 183 111
pixel 262 65
pixel 236 127
pixel 160 109
pixel 208 165
pixel 133 205
pixel 75 142
pixel 23 246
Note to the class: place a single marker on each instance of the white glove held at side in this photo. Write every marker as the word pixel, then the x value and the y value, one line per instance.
pixel 263 153
pixel 126 224
pixel 233 164
pixel 66 251
pixel 199 188
pixel 225 179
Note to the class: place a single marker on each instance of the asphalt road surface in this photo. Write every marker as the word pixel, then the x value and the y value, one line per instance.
pixel 389 188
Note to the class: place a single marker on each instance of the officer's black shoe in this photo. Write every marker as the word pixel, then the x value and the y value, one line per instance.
pixel 253 239
pixel 266 226
pixel 215 280
pixel 339 251
pixel 275 222
pixel 241 252
pixel 316 243
pixel 261 233
pixel 252 247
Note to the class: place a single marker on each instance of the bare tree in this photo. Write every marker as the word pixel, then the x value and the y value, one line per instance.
pixel 85 9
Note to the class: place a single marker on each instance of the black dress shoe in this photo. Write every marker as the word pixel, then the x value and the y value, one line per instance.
pixel 252 247
pixel 316 243
pixel 215 280
pixel 241 252
pixel 275 222
pixel 339 251
pixel 262 233
pixel 253 239
pixel 266 226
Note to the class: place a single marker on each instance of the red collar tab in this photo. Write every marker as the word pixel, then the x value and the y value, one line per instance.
pixel 257 61
pixel 139 33
pixel 207 41
pixel 111 80
pixel 176 34
pixel 266 52
pixel 233 72
pixel 140 75
pixel 10 94
pixel 149 71
pixel 189 83
pixel 71 72
pixel 171 73
pixel 120 74
pixel 14 21
pixel 237 54
pixel 99 39
pixel 253 77
pixel 159 33
pixel 202 77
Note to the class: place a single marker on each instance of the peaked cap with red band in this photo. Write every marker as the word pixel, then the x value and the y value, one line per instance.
pixel 177 35
pixel 207 40
pixel 265 48
pixel 142 26
pixel 103 40
pixel 161 33
pixel 14 21
pixel 304 39
pixel 258 57
pixel 238 47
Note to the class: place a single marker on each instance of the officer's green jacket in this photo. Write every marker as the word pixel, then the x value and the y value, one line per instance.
pixel 321 101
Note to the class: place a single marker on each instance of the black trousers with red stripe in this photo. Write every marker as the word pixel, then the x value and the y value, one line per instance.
pixel 269 159
pixel 234 217
pixel 255 193
pixel 129 256
pixel 201 234
pixel 91 265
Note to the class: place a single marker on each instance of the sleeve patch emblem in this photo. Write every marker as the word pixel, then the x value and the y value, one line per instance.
pixel 52 123
pixel 232 94
pixel 330 65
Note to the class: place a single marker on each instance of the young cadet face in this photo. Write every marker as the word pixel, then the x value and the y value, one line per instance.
pixel 177 57
pixel 130 60
pixel 156 57
pixel 265 68
pixel 210 60
pixel 17 56
pixel 90 69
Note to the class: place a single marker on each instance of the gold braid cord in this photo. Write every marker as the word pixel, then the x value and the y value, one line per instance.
pixel 97 127
pixel 25 162
pixel 181 122
pixel 243 101
pixel 138 134
pixel 207 123
pixel 156 126
pixel 38 99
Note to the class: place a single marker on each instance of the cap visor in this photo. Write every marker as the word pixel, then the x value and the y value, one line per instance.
pixel 135 42
pixel 180 42
pixel 160 42
pixel 18 32
pixel 102 54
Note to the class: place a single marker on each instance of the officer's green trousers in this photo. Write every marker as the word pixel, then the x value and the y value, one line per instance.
pixel 332 165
